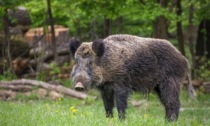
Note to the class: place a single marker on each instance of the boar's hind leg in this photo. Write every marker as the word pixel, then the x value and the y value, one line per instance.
pixel 107 94
pixel 168 92
pixel 121 95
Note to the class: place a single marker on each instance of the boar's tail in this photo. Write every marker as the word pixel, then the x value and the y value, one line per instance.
pixel 191 90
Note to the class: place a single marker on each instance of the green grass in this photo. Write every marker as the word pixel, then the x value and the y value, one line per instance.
pixel 73 112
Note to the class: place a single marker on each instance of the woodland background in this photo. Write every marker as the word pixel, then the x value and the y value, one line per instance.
pixel 34 35
pixel 35 62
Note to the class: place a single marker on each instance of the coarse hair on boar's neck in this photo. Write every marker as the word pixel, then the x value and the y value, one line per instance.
pixel 120 64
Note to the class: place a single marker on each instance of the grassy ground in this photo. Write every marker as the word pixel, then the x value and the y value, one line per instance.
pixel 72 112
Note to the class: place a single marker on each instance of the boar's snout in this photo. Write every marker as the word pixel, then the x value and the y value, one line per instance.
pixel 79 87
pixel 82 81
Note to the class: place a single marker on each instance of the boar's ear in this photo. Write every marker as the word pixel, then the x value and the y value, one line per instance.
pixel 98 47
pixel 73 45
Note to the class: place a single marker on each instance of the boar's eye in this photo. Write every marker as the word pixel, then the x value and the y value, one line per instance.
pixel 90 63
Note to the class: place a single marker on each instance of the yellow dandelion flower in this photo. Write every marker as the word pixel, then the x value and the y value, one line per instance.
pixel 73 110
pixel 59 99
pixel 146 115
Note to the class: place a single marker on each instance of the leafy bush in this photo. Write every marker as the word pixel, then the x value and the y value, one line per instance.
pixel 203 73
pixel 7 75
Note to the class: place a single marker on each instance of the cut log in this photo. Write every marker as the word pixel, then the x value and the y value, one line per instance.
pixel 58 88
pixel 42 93
pixel 55 95
pixel 5 94
pixel 19 88
pixel 195 83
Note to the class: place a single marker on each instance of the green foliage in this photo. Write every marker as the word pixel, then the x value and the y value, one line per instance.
pixel 42 76
pixel 38 11
pixel 10 4
pixel 203 73
pixel 203 9
pixel 67 83
pixel 85 17
pixel 52 73
pixel 7 75
pixel 55 69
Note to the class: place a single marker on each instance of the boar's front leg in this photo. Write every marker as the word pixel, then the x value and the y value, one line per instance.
pixel 107 94
pixel 121 95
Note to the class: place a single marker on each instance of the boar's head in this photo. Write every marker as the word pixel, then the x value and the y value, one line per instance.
pixel 86 72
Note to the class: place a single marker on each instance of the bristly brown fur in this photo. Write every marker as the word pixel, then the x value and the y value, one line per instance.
pixel 120 64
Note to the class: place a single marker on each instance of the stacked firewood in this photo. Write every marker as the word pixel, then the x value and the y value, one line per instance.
pixel 33 52
pixel 197 84
pixel 206 86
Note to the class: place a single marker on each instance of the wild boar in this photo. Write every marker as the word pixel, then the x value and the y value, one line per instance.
pixel 120 64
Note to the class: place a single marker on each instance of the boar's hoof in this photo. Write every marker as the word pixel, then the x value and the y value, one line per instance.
pixel 79 87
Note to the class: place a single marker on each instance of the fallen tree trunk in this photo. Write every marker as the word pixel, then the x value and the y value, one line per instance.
pixel 21 88
pixel 58 88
